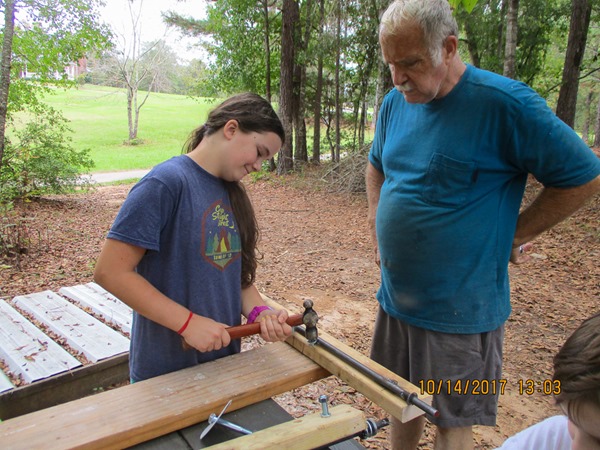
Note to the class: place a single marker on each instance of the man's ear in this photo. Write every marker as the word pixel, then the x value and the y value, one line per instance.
pixel 230 128
pixel 451 47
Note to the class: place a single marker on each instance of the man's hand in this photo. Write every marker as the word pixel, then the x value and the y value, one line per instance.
pixel 519 255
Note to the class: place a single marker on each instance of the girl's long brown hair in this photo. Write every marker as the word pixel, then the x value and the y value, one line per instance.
pixel 577 368
pixel 253 114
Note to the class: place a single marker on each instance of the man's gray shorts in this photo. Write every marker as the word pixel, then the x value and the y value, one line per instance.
pixel 462 371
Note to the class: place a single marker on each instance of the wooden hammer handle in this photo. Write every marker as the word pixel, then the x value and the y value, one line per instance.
pixel 249 329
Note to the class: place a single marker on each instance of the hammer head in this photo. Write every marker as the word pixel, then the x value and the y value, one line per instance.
pixel 310 319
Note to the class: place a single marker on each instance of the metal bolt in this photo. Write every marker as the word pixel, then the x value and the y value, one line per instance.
pixel 227 424
pixel 324 407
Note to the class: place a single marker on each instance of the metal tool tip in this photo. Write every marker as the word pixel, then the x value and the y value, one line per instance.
pixel 308 303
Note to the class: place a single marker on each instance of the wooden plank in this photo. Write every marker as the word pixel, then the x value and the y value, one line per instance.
pixel 389 401
pixel 308 432
pixel 27 351
pixel 65 387
pixel 138 412
pixel 101 303
pixel 5 383
pixel 81 331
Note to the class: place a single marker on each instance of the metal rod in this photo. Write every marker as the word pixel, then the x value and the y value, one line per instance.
pixel 372 428
pixel 409 398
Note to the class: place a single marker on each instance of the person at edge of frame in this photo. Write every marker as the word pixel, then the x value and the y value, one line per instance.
pixel 577 374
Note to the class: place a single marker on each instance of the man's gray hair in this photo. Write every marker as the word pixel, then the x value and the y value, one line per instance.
pixel 433 16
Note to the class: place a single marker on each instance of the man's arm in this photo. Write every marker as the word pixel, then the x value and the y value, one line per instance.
pixel 552 206
pixel 374 181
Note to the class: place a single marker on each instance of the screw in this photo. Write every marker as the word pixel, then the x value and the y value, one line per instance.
pixel 227 424
pixel 324 408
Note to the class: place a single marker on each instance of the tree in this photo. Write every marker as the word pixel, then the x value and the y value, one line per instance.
pixel 467 4
pixel 138 65
pixel 318 89
pixel 339 107
pixel 585 130
pixel 241 37
pixel 328 57
pixel 290 16
pixel 511 39
pixel 484 31
pixel 597 126
pixel 567 98
pixel 50 35
pixel 7 43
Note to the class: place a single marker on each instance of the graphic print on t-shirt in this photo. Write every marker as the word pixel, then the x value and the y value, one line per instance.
pixel 220 237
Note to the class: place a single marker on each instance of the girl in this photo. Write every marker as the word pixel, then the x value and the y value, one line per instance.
pixel 576 383
pixel 182 250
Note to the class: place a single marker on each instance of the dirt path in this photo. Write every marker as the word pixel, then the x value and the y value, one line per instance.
pixel 315 245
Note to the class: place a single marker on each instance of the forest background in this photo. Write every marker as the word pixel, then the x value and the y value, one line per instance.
pixel 317 60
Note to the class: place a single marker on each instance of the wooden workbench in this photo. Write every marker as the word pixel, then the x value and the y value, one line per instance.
pixel 142 411
pixel 154 408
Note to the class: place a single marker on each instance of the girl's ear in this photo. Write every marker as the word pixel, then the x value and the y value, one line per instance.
pixel 230 128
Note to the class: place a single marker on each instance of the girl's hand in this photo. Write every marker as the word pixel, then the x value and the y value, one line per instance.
pixel 205 335
pixel 273 326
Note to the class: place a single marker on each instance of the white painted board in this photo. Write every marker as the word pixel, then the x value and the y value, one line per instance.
pixel 5 384
pixel 81 331
pixel 27 351
pixel 102 303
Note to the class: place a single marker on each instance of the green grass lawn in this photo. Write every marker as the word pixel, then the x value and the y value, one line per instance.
pixel 98 118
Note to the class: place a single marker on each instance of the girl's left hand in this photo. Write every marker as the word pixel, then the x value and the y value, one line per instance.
pixel 273 326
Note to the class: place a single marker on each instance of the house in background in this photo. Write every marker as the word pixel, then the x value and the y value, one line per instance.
pixel 72 71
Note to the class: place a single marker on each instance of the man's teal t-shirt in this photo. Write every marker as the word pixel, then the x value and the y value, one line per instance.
pixel 455 172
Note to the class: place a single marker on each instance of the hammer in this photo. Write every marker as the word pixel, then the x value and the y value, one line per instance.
pixel 309 318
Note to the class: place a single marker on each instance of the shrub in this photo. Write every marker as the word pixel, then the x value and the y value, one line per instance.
pixel 39 159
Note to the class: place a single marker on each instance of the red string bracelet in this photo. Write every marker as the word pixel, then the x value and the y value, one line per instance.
pixel 182 329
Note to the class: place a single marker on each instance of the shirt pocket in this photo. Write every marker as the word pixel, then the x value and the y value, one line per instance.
pixel 448 181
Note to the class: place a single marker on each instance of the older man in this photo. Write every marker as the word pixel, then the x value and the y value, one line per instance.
pixel 447 170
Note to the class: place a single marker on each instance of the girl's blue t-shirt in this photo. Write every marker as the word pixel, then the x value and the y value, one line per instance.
pixel 182 215
pixel 455 172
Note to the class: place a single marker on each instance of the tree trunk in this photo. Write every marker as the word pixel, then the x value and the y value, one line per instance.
pixel 597 127
pixel 363 124
pixel 472 43
pixel 130 97
pixel 500 45
pixel 7 42
pixel 510 49
pixel 290 16
pixel 567 98
pixel 302 41
pixel 335 156
pixel 316 156
pixel 265 4
pixel 585 131
pixel 300 148
pixel 384 84
pixel 272 164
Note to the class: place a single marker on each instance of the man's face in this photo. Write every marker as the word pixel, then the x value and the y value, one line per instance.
pixel 413 72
